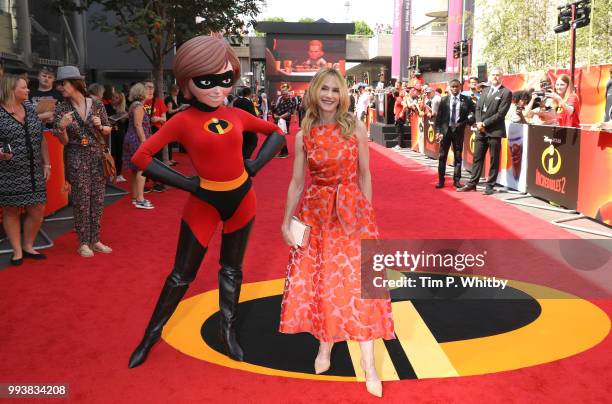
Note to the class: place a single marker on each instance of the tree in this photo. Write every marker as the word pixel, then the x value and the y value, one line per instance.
pixel 274 19
pixel 268 19
pixel 156 27
pixel 306 19
pixel 518 35
pixel 362 28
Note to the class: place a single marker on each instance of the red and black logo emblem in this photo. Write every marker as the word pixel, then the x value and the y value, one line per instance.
pixel 218 126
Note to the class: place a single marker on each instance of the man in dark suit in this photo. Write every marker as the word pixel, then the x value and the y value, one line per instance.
pixel 249 139
pixel 491 110
pixel 455 111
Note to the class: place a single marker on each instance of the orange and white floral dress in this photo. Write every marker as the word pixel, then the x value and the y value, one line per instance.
pixel 323 287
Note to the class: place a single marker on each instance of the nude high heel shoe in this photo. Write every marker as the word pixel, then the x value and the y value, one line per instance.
pixel 373 383
pixel 323 360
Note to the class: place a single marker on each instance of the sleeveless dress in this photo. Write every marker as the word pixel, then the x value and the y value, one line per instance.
pixel 131 142
pixel 322 293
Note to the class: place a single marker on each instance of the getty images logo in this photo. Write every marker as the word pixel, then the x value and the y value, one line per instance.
pixel 551 158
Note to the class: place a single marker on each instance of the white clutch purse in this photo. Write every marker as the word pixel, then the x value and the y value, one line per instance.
pixel 299 231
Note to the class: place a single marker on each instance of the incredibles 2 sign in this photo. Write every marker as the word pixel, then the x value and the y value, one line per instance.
pixel 554 154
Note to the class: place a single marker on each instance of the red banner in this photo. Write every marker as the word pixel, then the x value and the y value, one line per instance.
pixel 594 185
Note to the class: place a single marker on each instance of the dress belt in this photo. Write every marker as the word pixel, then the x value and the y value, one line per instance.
pixel 224 185
pixel 345 199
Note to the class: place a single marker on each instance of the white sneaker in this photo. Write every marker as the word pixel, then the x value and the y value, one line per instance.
pixel 144 204
pixel 146 200
pixel 120 178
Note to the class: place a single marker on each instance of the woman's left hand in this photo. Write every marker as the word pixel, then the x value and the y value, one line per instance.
pixel 97 122
pixel 47 171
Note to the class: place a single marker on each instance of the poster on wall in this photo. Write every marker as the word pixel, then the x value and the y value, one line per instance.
pixel 513 170
pixel 298 58
pixel 553 157
pixel 469 142
pixel 432 146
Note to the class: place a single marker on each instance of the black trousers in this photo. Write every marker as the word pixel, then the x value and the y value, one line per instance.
pixel 402 139
pixel 117 137
pixel 484 143
pixel 249 144
pixel 454 137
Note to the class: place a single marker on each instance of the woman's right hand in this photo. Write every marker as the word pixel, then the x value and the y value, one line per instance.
pixel 287 236
pixel 66 120
pixel 67 187
pixel 5 156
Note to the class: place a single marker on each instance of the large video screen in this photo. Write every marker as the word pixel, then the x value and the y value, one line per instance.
pixel 298 58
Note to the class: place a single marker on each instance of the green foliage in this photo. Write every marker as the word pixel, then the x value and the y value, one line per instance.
pixel 163 24
pixel 306 19
pixel 268 19
pixel 362 28
pixel 518 35
pixel 274 19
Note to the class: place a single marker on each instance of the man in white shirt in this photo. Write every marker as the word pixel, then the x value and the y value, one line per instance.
pixel 454 113
pixel 491 110
pixel 362 103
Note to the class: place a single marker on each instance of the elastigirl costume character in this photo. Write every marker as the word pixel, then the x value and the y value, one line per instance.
pixel 206 68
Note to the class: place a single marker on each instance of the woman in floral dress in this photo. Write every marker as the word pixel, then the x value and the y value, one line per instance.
pixel 323 287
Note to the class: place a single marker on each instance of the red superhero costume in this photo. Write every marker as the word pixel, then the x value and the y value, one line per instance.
pixel 222 190
pixel 213 140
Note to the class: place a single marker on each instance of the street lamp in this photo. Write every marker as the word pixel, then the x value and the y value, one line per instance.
pixel 572 16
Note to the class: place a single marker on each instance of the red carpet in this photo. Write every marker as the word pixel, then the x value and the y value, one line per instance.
pixel 76 320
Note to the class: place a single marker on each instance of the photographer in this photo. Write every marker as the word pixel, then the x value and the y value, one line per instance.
pixel 539 110
pixel 521 101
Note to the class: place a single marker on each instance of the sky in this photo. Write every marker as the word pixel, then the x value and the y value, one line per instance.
pixel 370 11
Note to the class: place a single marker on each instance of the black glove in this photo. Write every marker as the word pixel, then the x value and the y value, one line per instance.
pixel 158 171
pixel 270 148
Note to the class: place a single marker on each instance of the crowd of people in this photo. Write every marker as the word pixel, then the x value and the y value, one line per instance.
pixel 485 107
pixel 62 102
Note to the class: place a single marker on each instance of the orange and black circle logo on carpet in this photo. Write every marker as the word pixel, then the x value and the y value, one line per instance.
pixel 218 126
pixel 436 337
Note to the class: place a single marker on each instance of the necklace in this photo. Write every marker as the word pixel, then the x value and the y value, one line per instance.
pixel 11 109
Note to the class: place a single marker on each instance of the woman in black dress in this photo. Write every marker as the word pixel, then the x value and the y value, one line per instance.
pixel 24 164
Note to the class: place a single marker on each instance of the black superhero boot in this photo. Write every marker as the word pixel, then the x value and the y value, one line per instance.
pixel 233 246
pixel 189 255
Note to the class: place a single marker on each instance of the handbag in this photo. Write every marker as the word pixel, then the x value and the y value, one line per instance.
pixel 108 162
pixel 299 231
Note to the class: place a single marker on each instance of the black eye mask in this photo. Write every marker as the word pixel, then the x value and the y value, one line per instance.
pixel 209 81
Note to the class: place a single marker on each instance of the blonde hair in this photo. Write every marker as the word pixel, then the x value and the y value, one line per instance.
pixel 120 105
pixel 8 83
pixel 346 121
pixel 138 92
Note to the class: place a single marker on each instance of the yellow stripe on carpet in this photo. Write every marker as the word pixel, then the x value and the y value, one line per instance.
pixel 384 365
pixel 426 356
